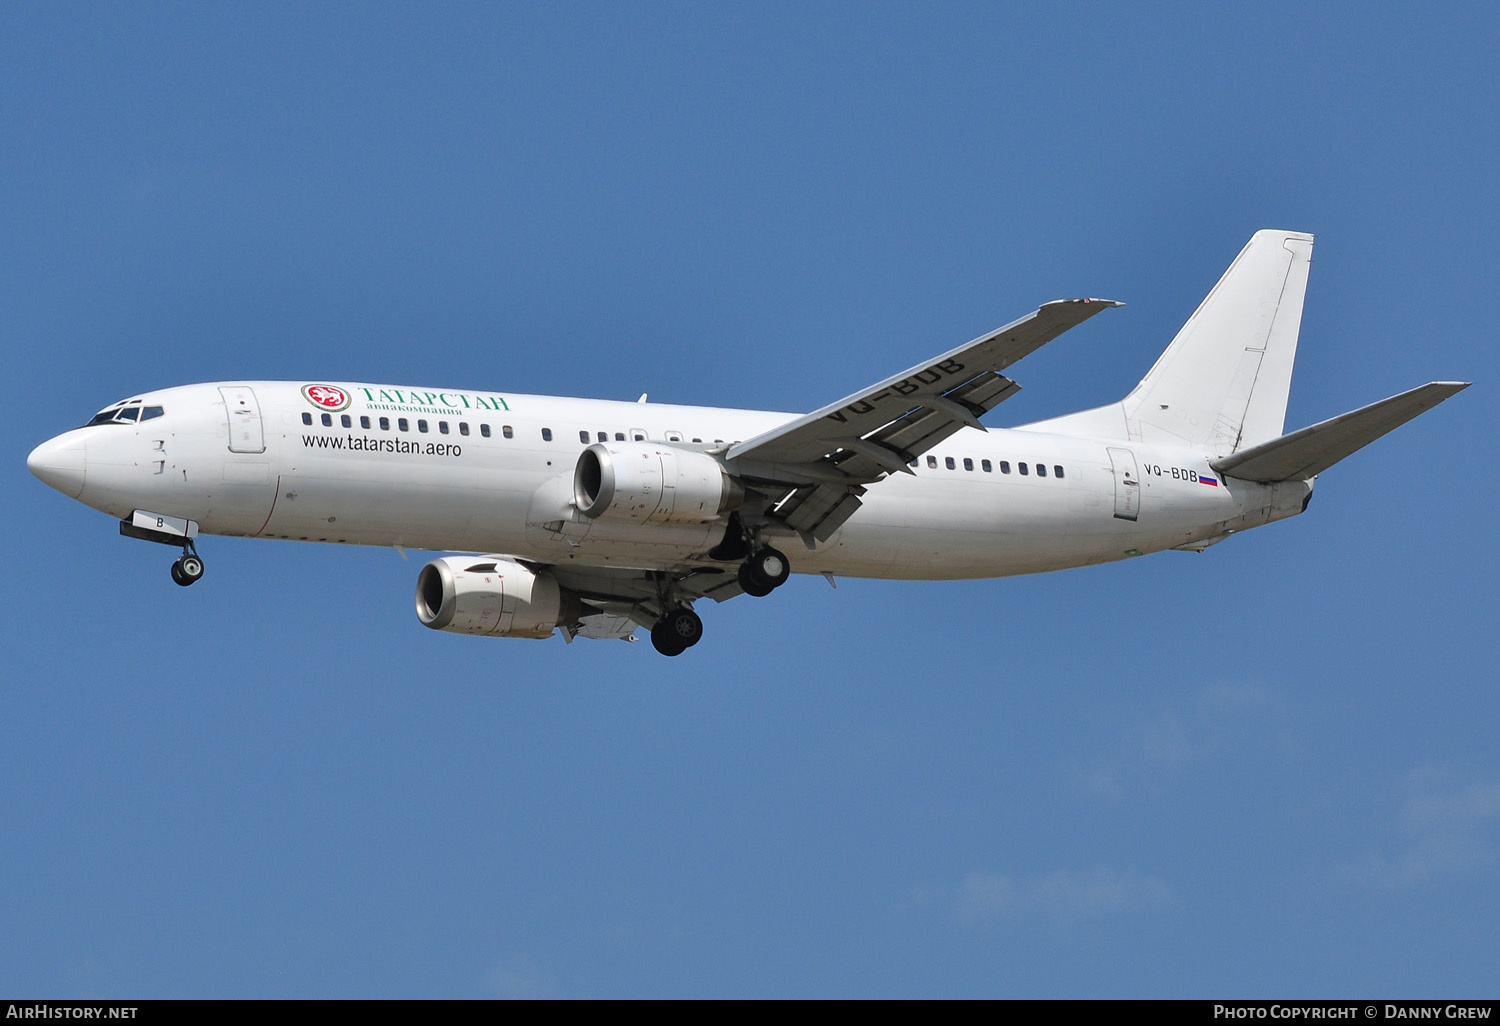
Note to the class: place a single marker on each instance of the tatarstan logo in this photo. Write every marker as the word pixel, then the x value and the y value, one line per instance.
pixel 326 397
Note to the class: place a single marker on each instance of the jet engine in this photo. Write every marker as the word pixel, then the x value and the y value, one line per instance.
pixel 494 596
pixel 647 483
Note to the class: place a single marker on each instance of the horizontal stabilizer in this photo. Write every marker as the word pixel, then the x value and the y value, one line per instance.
pixel 1312 450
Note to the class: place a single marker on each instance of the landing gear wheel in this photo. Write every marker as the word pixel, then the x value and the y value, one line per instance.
pixel 187 569
pixel 751 584
pixel 764 572
pixel 676 632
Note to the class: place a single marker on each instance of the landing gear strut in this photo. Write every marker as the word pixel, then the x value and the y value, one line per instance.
pixel 764 572
pixel 677 631
pixel 168 530
pixel 188 567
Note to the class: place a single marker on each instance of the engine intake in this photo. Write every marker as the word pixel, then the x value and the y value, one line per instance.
pixel 646 483
pixel 494 596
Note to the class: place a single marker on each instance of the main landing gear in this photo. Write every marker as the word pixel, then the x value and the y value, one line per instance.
pixel 188 568
pixel 680 629
pixel 764 572
pixel 676 632
pixel 764 569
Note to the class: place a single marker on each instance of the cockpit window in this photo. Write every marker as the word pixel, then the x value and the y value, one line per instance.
pixel 125 413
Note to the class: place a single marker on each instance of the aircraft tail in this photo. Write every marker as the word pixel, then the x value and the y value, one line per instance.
pixel 1223 382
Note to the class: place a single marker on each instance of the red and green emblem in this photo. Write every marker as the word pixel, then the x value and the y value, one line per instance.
pixel 326 397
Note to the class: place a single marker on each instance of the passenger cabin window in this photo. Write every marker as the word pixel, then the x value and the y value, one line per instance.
pixel 1041 470
pixel 507 431
pixel 932 463
pixel 385 423
pixel 484 429
pixel 402 424
pixel 604 436
pixel 327 419
pixel 422 426
pixel 364 422
pixel 638 436
pixel 345 421
pixel 307 419
pixel 986 465
pixel 1005 466
pixel 948 462
pixel 442 427
pixel 463 428
pixel 1022 468
pixel 1057 470
pixel 968 463
pixel 583 436
pixel 619 436
pixel 546 434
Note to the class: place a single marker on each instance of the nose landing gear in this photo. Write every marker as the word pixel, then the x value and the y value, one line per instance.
pixel 168 530
pixel 188 568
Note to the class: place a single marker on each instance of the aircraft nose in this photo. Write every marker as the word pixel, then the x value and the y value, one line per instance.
pixel 60 462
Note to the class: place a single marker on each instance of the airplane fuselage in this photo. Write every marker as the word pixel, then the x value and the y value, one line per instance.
pixel 487 472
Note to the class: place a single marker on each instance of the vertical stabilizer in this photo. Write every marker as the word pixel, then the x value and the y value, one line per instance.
pixel 1224 380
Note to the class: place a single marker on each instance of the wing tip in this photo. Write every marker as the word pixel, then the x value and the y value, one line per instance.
pixel 1443 389
pixel 1091 300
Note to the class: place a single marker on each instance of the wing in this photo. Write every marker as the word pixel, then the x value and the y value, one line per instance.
pixel 819 464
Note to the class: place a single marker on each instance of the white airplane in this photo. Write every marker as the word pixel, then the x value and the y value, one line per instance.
pixel 595 516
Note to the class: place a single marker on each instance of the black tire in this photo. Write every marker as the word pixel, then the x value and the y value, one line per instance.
pixel 177 577
pixel 751 584
pixel 665 640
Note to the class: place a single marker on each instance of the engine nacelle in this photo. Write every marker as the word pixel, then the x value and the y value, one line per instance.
pixel 490 595
pixel 646 483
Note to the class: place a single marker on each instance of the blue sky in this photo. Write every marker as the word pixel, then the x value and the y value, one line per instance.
pixel 1266 770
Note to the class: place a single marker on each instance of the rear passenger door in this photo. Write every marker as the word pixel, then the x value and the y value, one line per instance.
pixel 1127 484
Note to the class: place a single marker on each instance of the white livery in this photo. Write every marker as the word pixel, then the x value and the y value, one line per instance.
pixel 595 517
